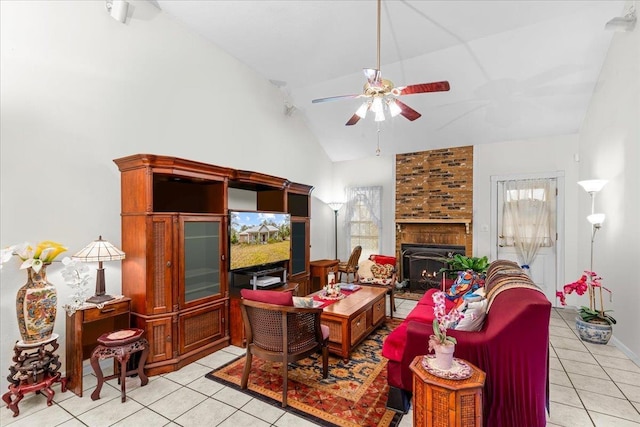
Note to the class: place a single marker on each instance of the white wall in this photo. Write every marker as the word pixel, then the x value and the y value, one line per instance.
pixel 515 157
pixel 609 141
pixel 522 157
pixel 80 89
pixel 374 171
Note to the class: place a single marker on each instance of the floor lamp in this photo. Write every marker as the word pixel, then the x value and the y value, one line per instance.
pixel 592 186
pixel 336 207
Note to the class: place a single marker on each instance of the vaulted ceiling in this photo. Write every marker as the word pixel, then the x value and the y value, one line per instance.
pixel 517 69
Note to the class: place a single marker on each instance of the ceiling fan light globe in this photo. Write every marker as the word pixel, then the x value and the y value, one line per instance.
pixel 377 106
pixel 394 108
pixel 362 110
pixel 379 116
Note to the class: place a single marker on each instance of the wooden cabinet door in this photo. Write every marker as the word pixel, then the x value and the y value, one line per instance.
pixel 300 246
pixel 201 326
pixel 160 337
pixel 202 271
pixel 160 275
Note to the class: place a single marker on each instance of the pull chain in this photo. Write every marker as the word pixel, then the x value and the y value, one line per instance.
pixel 378 149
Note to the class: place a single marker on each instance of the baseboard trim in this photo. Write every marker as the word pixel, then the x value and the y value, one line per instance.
pixel 626 350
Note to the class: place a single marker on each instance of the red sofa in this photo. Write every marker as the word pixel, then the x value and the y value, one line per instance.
pixel 512 348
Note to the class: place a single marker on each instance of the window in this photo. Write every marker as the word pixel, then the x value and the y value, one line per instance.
pixel 363 219
pixel 526 213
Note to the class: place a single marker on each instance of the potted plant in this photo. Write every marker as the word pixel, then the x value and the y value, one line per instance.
pixel 594 323
pixel 459 262
pixel 440 343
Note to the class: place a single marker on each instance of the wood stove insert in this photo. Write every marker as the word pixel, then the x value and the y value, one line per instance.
pixel 420 264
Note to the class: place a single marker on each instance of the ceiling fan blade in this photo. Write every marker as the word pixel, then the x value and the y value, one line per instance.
pixel 425 87
pixel 336 98
pixel 372 75
pixel 407 111
pixel 353 120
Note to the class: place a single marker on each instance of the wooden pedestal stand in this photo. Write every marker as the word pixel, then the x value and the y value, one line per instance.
pixel 440 402
pixel 35 369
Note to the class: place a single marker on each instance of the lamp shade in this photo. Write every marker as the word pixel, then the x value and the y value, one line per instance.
pixel 596 219
pixel 99 250
pixel 335 205
pixel 118 9
pixel 592 185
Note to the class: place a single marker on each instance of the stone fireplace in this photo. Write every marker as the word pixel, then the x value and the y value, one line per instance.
pixel 434 209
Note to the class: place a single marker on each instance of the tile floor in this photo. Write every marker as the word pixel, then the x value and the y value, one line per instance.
pixel 591 385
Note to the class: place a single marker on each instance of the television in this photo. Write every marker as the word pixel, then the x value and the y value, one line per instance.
pixel 258 239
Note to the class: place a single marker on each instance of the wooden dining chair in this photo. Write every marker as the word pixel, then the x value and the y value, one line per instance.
pixel 351 266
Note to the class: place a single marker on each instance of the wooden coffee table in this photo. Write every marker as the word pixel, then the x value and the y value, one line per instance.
pixel 351 319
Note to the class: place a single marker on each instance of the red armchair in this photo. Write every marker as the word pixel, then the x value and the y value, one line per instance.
pixel 512 348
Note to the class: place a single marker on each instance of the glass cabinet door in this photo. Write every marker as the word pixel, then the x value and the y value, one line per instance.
pixel 201 241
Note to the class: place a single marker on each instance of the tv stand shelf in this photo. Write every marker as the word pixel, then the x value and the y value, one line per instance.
pixel 256 274
pixel 266 271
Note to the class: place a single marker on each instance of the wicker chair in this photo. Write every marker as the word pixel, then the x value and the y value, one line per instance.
pixel 282 334
pixel 351 266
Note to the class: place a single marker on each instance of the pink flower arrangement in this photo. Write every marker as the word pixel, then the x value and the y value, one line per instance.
pixel 580 286
pixel 443 321
pixel 589 282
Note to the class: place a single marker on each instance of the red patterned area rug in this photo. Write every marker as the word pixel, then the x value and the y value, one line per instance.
pixel 354 394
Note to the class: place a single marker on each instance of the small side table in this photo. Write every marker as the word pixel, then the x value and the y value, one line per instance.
pixel 82 331
pixel 120 345
pixel 35 369
pixel 441 402
pixel 320 269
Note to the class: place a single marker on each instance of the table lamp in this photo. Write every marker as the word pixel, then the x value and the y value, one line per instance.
pixel 99 250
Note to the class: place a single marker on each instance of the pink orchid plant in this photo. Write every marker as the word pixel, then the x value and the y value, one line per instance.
pixel 443 321
pixel 589 283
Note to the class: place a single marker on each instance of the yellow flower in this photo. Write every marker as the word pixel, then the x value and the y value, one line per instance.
pixel 47 250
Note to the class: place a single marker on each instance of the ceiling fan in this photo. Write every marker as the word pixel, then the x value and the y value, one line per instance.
pixel 381 94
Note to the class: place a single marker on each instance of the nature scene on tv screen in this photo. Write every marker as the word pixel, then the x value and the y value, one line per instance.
pixel 258 238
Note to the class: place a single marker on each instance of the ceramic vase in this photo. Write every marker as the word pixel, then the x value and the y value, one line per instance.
pixel 444 356
pixel 596 333
pixel 36 305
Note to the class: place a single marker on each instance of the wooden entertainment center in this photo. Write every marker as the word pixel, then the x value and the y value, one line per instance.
pixel 175 236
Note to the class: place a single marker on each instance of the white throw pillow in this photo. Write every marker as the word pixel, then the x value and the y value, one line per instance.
pixel 364 269
pixel 474 315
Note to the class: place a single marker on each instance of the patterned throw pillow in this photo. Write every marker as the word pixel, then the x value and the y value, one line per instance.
pixel 465 284
pixel 381 271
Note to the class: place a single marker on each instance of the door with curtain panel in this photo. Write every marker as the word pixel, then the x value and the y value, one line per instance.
pixel 526 220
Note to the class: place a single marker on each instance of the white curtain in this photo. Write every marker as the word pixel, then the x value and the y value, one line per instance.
pixel 362 219
pixel 526 217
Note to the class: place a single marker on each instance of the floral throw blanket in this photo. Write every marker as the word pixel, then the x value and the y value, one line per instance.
pixel 464 287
